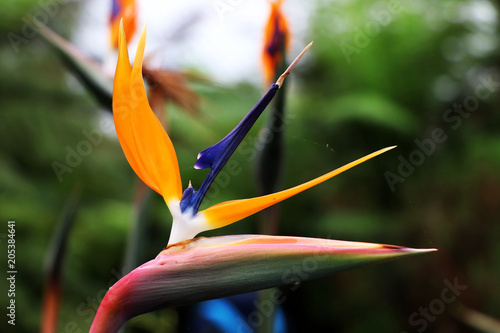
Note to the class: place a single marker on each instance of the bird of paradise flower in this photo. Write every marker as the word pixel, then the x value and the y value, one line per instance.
pixel 126 10
pixel 276 41
pixel 191 270
pixel 151 154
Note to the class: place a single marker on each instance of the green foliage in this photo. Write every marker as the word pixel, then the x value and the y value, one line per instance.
pixel 13 11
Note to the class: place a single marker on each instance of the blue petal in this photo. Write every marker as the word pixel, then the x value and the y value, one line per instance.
pixel 221 151
pixel 216 156
pixel 187 196
pixel 221 314
pixel 232 315
pixel 115 9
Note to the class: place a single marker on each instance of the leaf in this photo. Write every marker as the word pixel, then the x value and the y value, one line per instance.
pixel 54 263
pixel 85 68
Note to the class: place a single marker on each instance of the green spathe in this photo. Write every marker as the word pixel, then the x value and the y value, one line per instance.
pixel 208 268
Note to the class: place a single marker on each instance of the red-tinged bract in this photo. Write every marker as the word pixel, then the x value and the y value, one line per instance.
pixel 208 268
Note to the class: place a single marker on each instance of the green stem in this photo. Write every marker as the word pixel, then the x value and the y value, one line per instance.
pixel 269 173
pixel 264 297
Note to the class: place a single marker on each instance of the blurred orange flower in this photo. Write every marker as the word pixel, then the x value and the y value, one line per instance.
pixel 276 41
pixel 127 10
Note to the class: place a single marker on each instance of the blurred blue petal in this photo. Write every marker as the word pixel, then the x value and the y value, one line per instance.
pixel 231 315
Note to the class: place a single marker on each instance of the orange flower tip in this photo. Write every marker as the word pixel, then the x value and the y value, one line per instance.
pixel 280 80
pixel 388 148
pixel 383 150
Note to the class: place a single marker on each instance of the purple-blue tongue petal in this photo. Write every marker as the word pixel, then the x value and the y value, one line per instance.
pixel 216 156
pixel 221 151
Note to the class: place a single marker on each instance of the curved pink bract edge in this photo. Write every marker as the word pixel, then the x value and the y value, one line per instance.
pixel 208 268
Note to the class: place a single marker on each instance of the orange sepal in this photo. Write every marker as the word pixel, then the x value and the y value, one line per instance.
pixel 231 211
pixel 145 143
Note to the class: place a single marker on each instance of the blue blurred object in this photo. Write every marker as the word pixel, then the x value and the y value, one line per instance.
pixel 235 314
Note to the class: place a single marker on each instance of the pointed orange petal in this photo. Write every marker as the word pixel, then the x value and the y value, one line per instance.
pixel 231 211
pixel 144 141
pixel 121 111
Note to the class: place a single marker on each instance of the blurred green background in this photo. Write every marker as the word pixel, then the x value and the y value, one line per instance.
pixel 421 75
